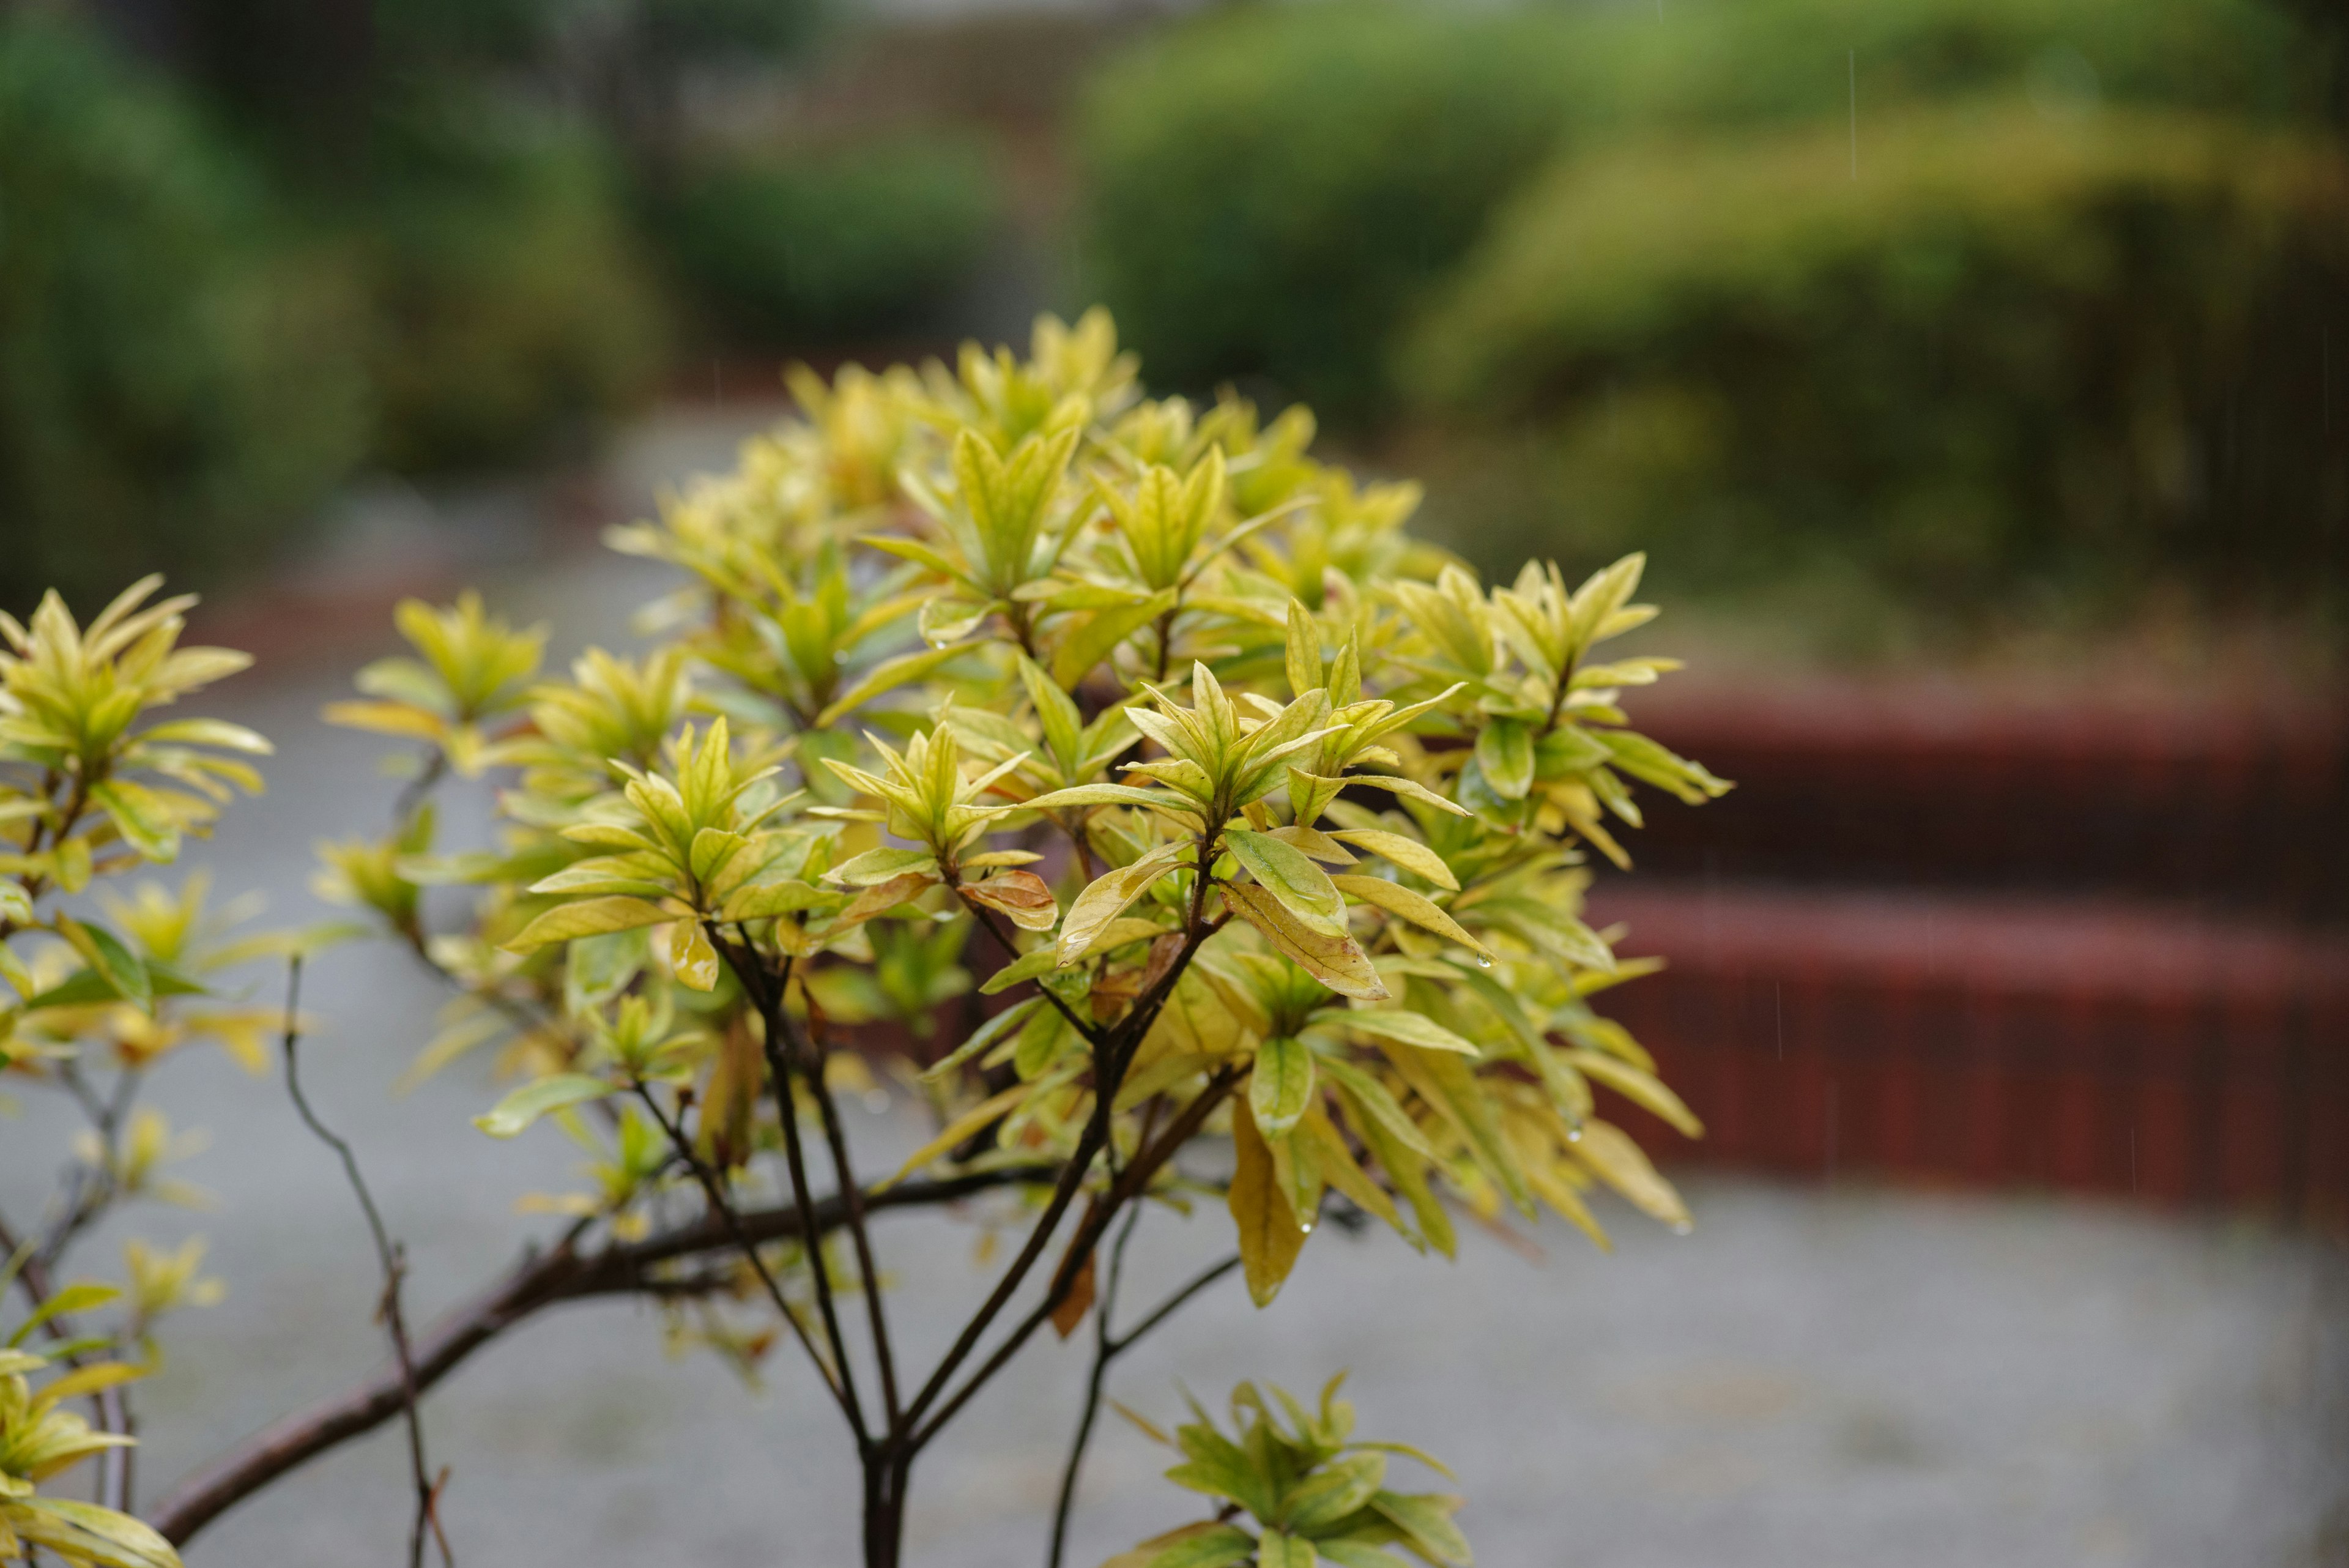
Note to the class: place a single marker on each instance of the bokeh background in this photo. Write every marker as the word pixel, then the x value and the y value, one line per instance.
pixel 1976 373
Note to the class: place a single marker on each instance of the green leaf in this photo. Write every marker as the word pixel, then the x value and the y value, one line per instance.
pixel 985 1035
pixel 64 1302
pixel 1369 1098
pixel 1214 1548
pixel 1109 794
pixel 1409 789
pixel 877 865
pixel 1335 1490
pixel 1027 966
pixel 1408 853
pixel 1289 874
pixel 1274 1550
pixel 977 1119
pixel 1280 1086
pixel 589 918
pixel 1644 1089
pixel 1504 755
pixel 885 676
pixel 1351 1553
pixel 510 1117
pixel 766 900
pixel 85 1533
pixel 115 963
pixel 1091 643
pixel 1303 652
pixel 1426 1520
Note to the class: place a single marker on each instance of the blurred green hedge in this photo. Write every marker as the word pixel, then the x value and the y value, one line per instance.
pixel 1266 194
pixel 1271 191
pixel 2082 350
pixel 512 305
pixel 176 384
pixel 790 249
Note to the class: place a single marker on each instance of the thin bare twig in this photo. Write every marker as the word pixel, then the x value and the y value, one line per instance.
pixel 714 1191
pixel 393 1260
pixel 1107 1347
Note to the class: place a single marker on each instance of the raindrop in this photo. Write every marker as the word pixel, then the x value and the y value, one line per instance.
pixel 1306 1228
pixel 1573 1133
pixel 1483 963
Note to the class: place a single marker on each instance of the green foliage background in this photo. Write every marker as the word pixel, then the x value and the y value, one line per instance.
pixel 825 245
pixel 172 391
pixel 2062 341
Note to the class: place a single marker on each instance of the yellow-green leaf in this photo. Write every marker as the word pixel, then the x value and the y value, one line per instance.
pixel 1338 962
pixel 1270 1235
pixel 691 956
pixel 1417 908
pixel 1644 1089
pixel 589 918
pixel 1107 898
pixel 1408 853
pixel 1281 1086
pixel 1289 874
pixel 510 1117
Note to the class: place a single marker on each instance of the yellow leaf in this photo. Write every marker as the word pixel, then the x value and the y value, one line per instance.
pixel 1407 853
pixel 977 1119
pixel 1610 1154
pixel 1338 962
pixel 388 718
pixel 589 918
pixel 1103 902
pixel 1416 908
pixel 691 956
pixel 1269 1236
pixel 1641 1088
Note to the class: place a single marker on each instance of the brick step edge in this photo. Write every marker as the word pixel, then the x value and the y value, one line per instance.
pixel 2086 1047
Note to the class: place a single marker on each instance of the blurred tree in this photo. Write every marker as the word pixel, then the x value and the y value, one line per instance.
pixel 177 386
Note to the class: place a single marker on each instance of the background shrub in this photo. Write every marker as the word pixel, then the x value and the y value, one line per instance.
pixel 2085 352
pixel 826 247
pixel 513 306
pixel 1271 192
pixel 1266 193
pixel 177 387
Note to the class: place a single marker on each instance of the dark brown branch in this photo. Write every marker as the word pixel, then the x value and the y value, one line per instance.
pixel 845 1182
pixel 769 993
pixel 1107 1347
pixel 713 1190
pixel 538 1281
pixel 1137 1175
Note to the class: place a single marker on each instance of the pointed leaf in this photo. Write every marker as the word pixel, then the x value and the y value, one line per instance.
pixel 524 1105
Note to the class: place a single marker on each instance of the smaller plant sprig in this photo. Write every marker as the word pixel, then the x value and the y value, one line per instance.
pixel 1312 1491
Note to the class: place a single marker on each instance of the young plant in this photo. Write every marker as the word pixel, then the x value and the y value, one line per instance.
pixel 1112 777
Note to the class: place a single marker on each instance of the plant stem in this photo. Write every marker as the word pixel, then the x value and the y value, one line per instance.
pixel 393 1262
pixel 1107 1348
pixel 714 1191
